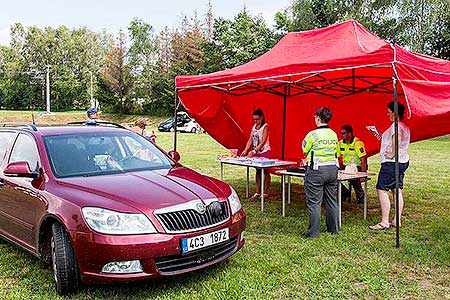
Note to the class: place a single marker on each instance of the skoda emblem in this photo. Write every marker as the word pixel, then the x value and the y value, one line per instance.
pixel 201 208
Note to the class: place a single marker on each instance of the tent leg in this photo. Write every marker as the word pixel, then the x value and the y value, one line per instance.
pixel 284 123
pixel 397 171
pixel 175 121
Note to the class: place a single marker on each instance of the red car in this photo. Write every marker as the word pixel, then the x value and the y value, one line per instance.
pixel 104 205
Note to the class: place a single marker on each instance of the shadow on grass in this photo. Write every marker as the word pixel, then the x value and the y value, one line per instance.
pixel 156 288
pixel 30 274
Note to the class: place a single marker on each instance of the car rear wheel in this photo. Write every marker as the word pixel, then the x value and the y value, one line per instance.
pixel 194 130
pixel 64 263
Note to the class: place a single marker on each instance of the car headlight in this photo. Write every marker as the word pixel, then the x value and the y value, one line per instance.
pixel 235 204
pixel 113 222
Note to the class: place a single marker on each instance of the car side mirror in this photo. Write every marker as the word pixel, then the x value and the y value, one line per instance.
pixel 20 169
pixel 174 155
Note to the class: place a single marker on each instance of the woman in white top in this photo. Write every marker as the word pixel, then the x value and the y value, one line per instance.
pixel 386 177
pixel 258 146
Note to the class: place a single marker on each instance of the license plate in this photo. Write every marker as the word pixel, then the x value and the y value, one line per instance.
pixel 204 240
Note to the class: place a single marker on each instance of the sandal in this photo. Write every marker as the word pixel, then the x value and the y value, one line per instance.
pixel 255 196
pixel 395 225
pixel 378 226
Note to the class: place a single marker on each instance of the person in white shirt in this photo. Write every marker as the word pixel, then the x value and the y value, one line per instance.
pixel 258 146
pixel 386 176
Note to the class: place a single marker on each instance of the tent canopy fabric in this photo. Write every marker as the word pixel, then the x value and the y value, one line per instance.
pixel 344 67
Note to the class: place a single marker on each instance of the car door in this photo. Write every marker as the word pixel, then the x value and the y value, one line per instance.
pixel 18 198
pixel 6 140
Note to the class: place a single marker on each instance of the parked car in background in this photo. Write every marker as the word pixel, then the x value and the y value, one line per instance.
pixel 184 124
pixel 68 195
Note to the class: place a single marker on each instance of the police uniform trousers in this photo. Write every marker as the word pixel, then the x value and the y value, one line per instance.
pixel 321 185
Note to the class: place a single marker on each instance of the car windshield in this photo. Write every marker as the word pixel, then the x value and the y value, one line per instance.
pixel 90 154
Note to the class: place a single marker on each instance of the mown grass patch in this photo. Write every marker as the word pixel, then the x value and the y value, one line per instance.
pixel 276 263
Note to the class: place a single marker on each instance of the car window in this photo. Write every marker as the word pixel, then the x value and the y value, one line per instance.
pixel 89 154
pixel 25 150
pixel 6 139
pixel 139 150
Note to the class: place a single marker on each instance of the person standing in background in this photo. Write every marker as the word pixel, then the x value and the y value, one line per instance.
pixel 386 176
pixel 258 146
pixel 92 115
pixel 352 151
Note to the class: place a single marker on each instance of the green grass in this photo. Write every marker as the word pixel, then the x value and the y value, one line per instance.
pixel 276 263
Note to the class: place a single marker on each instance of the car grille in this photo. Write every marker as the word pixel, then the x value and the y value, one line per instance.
pixel 178 263
pixel 191 220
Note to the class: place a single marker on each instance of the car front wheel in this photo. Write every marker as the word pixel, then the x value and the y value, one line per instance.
pixel 64 263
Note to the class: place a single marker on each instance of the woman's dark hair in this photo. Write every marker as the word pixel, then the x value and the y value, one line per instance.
pixel 325 114
pixel 401 109
pixel 259 112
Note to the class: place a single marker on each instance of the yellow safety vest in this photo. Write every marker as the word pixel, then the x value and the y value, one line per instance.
pixel 352 152
pixel 324 142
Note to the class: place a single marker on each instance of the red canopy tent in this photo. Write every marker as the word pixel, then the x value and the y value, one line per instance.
pixel 344 67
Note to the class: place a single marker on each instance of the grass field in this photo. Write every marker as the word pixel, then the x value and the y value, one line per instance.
pixel 276 263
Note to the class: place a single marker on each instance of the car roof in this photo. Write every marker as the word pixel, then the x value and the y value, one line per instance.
pixel 64 129
pixel 52 130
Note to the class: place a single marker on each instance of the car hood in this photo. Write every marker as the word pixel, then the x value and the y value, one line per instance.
pixel 150 190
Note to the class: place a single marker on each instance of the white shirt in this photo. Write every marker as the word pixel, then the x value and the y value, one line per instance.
pixel 386 143
pixel 257 136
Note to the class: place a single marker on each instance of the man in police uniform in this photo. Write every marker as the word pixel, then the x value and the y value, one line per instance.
pixel 352 151
pixel 320 146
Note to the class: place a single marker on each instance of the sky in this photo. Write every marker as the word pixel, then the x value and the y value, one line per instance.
pixel 113 15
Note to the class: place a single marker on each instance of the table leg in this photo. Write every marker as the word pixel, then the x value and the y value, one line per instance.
pixel 283 196
pixel 339 203
pixel 262 189
pixel 247 185
pixel 365 199
pixel 289 189
pixel 221 171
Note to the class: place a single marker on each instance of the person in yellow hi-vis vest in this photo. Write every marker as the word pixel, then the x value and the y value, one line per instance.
pixel 352 151
pixel 320 147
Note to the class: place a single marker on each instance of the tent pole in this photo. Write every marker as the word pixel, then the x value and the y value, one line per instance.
pixel 284 118
pixel 175 121
pixel 397 171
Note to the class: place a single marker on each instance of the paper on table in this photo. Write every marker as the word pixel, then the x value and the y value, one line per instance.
pixel 374 130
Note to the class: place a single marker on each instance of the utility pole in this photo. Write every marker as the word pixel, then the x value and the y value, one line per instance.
pixel 92 92
pixel 48 89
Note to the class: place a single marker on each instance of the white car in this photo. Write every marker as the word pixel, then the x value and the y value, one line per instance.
pixel 190 126
pixel 184 124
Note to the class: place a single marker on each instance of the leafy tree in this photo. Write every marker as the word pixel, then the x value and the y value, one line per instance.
pixel 419 25
pixel 117 77
pixel 238 41
pixel 72 55
pixel 142 56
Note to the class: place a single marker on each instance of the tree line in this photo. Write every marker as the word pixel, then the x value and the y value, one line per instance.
pixel 134 71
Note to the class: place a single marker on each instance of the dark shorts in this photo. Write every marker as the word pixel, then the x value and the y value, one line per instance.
pixel 386 177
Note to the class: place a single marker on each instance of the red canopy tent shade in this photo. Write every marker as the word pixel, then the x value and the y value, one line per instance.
pixel 344 67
